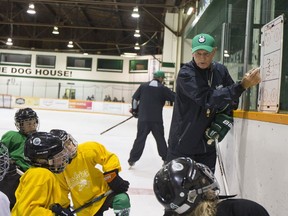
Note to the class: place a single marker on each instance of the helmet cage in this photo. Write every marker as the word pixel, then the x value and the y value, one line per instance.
pixel 69 142
pixel 200 179
pixel 56 164
pixel 59 161
pixel 26 121
pixel 71 145
pixel 4 161
pixel 27 126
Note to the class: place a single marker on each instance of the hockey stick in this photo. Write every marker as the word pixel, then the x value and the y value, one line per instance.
pixel 116 125
pixel 96 199
pixel 221 166
pixel 20 172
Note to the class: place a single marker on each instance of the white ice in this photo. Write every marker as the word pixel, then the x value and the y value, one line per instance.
pixel 88 126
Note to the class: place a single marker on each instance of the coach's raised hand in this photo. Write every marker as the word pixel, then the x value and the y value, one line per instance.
pixel 251 78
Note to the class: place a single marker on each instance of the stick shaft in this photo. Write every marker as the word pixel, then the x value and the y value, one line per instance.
pixel 96 199
pixel 221 166
pixel 116 125
pixel 19 171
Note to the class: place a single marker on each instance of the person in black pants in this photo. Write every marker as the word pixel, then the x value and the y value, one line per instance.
pixel 147 105
pixel 187 188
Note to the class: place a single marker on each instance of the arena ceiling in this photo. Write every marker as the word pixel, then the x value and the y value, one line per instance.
pixel 96 27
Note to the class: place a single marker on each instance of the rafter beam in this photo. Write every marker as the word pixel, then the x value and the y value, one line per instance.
pixel 74 27
pixel 91 2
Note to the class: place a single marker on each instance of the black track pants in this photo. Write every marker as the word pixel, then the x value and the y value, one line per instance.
pixel 143 129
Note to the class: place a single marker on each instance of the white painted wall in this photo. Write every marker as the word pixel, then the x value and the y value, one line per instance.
pixel 42 82
pixel 170 39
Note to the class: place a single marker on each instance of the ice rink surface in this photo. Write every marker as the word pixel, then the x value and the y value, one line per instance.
pixel 88 126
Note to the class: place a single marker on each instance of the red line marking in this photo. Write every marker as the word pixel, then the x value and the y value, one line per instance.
pixel 140 191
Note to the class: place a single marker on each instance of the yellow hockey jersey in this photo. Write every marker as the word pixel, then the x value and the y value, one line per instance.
pixel 84 180
pixel 37 190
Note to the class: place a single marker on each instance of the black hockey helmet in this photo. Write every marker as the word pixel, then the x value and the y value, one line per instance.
pixel 69 142
pixel 46 150
pixel 180 184
pixel 26 114
pixel 4 160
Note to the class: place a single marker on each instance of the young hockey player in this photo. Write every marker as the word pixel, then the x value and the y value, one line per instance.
pixel 187 188
pixel 26 121
pixel 4 166
pixel 84 181
pixel 39 189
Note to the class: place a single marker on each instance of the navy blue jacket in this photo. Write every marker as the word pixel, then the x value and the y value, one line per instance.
pixel 200 94
pixel 152 97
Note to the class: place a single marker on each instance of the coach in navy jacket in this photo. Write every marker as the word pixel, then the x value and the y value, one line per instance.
pixel 203 89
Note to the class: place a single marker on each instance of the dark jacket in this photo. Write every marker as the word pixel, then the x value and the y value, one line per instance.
pixel 200 94
pixel 240 207
pixel 152 97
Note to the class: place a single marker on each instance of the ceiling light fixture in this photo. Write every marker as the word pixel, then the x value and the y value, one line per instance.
pixel 9 42
pixel 137 46
pixel 129 55
pixel 55 30
pixel 137 33
pixel 135 13
pixel 70 44
pixel 31 9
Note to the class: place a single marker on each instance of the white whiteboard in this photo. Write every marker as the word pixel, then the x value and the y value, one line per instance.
pixel 271 65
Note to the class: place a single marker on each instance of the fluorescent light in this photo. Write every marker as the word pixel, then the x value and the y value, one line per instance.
pixel 190 10
pixel 9 42
pixel 70 44
pixel 226 54
pixel 137 46
pixel 31 9
pixel 137 33
pixel 135 13
pixel 129 54
pixel 55 30
pixel 85 53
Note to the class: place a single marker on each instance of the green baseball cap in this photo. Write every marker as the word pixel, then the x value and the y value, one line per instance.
pixel 159 74
pixel 203 42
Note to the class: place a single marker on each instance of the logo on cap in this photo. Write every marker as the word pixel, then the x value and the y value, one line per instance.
pixel 201 39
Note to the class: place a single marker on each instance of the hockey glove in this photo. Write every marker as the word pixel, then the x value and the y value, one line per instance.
pixel 135 113
pixel 60 211
pixel 115 182
pixel 219 128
